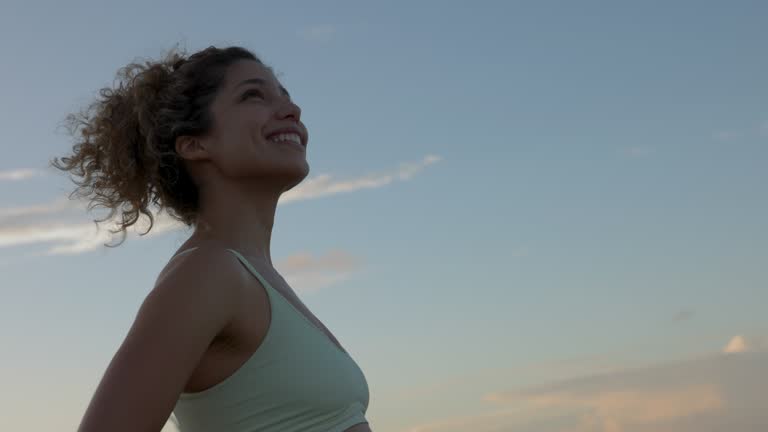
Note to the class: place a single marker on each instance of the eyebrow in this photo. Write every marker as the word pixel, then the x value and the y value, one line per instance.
pixel 262 82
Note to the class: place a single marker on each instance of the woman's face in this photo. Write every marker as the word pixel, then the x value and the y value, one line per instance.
pixel 257 129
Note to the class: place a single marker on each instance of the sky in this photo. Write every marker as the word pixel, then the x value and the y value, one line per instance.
pixel 528 216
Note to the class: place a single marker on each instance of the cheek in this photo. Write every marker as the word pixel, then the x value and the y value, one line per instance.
pixel 244 136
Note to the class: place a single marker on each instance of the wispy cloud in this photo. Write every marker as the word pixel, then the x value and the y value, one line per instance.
pixel 310 273
pixel 12 214
pixel 318 33
pixel 715 392
pixel 620 409
pixel 553 369
pixel 334 260
pixel 758 130
pixel 48 222
pixel 50 232
pixel 325 185
pixel 20 174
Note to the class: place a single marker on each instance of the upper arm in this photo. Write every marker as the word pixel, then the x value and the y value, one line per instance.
pixel 172 330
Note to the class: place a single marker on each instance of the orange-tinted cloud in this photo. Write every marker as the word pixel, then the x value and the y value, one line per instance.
pixel 306 272
pixel 719 392
pixel 614 410
pixel 737 344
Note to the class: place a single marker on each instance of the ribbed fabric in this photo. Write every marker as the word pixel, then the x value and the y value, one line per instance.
pixel 297 380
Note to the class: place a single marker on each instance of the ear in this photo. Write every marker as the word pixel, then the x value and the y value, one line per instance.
pixel 189 147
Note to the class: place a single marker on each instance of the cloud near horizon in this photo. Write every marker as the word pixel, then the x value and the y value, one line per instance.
pixel 70 234
pixel 714 392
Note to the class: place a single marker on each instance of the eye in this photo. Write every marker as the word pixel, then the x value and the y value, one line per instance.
pixel 252 92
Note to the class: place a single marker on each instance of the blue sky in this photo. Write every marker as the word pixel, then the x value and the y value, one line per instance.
pixel 513 207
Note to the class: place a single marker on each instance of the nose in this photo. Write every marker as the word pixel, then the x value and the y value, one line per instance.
pixel 289 110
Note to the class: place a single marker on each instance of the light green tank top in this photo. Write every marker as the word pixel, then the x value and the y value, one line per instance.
pixel 297 380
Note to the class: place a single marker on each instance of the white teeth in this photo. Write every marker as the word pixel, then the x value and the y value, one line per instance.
pixel 294 137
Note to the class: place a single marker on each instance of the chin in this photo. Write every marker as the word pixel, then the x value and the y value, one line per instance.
pixel 297 179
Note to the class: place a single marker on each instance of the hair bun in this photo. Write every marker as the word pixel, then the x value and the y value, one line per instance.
pixel 124 147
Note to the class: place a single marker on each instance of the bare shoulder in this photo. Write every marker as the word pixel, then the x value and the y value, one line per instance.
pixel 191 304
pixel 207 261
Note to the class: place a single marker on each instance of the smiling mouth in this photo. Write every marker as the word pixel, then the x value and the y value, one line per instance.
pixel 290 137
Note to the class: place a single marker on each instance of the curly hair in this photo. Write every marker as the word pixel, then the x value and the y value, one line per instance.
pixel 125 140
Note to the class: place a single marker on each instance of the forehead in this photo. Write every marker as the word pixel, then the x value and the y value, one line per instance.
pixel 242 70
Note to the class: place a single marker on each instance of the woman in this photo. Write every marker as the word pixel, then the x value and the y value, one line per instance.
pixel 221 341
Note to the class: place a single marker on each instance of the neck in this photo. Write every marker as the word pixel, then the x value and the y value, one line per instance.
pixel 239 218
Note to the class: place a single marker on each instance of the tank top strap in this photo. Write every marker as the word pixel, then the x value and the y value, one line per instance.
pixel 250 268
